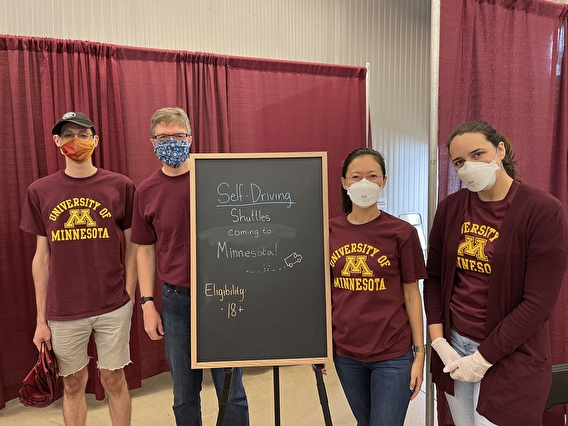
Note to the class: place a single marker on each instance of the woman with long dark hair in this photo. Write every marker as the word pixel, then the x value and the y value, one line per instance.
pixel 378 333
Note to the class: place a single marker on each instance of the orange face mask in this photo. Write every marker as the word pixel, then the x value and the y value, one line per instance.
pixel 77 149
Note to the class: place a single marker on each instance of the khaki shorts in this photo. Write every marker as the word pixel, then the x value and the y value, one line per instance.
pixel 112 336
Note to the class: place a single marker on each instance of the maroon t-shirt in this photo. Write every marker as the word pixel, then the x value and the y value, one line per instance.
pixel 161 217
pixel 479 234
pixel 83 220
pixel 369 263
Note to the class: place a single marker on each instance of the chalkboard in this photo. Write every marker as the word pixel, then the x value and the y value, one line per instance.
pixel 260 292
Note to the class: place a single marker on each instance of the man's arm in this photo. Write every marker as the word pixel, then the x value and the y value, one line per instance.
pixel 40 273
pixel 146 257
pixel 130 271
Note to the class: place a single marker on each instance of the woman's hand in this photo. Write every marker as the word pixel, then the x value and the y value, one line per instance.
pixel 417 374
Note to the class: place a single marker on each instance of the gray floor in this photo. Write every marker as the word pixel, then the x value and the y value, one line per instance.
pixel 151 404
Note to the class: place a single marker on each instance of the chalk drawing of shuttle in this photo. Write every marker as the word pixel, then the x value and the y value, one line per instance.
pixel 292 259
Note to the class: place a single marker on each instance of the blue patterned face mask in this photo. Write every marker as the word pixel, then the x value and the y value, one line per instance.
pixel 171 152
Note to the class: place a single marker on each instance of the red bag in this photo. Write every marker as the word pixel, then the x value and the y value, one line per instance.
pixel 41 385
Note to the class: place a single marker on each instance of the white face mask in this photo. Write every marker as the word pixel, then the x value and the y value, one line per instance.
pixel 364 193
pixel 477 175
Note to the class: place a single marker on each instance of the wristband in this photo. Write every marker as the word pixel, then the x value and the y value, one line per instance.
pixel 146 299
pixel 420 349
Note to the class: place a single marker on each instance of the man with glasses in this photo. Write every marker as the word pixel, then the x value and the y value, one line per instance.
pixel 84 284
pixel 160 225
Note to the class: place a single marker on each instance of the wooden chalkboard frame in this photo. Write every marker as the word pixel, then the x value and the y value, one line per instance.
pixel 209 171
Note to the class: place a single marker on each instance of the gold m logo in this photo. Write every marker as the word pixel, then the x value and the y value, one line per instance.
pixel 356 265
pixel 473 247
pixel 79 217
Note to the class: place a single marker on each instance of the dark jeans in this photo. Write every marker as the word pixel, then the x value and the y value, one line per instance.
pixel 377 392
pixel 187 381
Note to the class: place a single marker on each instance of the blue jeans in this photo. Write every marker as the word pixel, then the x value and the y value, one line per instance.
pixel 187 381
pixel 377 392
pixel 464 401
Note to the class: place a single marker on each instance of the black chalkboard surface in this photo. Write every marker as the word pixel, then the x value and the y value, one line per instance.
pixel 260 290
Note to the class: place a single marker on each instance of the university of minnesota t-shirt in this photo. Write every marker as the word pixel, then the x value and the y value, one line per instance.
pixel 369 263
pixel 83 220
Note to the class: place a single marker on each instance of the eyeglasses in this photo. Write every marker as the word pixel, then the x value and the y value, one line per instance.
pixel 175 136
pixel 371 178
pixel 84 135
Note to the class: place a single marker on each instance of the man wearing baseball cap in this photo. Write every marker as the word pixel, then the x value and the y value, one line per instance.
pixel 81 217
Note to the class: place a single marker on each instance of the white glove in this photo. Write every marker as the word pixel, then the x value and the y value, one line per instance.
pixel 470 368
pixel 444 350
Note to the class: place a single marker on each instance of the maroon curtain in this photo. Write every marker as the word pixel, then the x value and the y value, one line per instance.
pixel 286 118
pixel 505 62
pixel 274 106
pixel 45 78
pixel 151 80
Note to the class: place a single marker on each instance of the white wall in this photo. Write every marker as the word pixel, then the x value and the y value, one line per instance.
pixel 393 36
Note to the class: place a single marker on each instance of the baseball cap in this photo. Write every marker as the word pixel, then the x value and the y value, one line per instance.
pixel 72 117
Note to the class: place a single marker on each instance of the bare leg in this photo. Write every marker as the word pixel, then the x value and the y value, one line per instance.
pixel 74 401
pixel 119 404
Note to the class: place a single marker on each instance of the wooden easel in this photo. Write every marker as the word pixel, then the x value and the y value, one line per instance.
pixel 224 396
pixel 276 375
